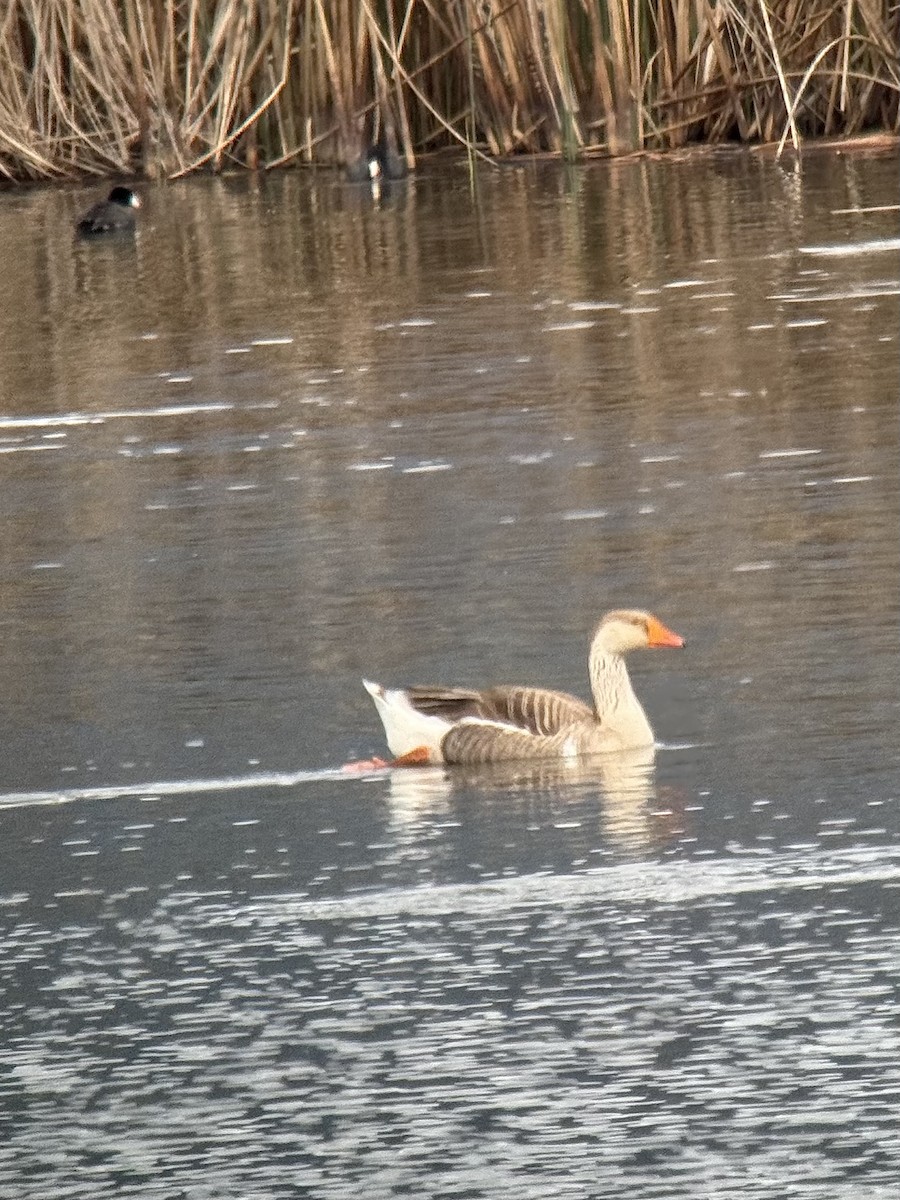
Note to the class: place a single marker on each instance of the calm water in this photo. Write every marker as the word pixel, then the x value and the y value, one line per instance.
pixel 293 434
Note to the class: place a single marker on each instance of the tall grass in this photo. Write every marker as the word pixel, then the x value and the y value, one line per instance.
pixel 164 87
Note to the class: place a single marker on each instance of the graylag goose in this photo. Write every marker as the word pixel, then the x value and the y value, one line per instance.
pixel 499 724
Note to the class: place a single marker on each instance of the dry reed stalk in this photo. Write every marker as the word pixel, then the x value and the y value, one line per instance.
pixel 423 99
pixel 168 86
pixel 790 126
pixel 397 41
pixel 559 67
pixel 782 82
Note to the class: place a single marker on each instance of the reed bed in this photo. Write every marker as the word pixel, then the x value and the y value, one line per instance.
pixel 165 87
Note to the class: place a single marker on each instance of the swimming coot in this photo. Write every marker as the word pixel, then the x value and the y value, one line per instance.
pixel 376 164
pixel 115 214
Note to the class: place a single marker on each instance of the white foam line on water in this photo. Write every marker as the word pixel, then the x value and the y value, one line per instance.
pixel 870 293
pixel 77 418
pixel 584 514
pixel 176 787
pixel 876 246
pixel 869 208
pixel 567 326
pixel 527 460
pixel 792 453
pixel 672 884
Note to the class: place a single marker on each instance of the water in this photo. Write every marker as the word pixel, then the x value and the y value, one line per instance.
pixel 294 434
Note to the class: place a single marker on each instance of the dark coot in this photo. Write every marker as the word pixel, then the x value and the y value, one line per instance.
pixel 376 164
pixel 115 214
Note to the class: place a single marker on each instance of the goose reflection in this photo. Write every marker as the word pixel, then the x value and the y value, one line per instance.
pixel 624 777
pixel 618 789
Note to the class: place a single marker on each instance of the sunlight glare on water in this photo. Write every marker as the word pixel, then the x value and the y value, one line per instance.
pixel 294 434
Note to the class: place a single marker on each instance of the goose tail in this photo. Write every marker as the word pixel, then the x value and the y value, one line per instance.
pixel 407 730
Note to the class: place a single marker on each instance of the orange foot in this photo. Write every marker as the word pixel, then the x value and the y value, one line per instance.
pixel 413 758
pixel 366 764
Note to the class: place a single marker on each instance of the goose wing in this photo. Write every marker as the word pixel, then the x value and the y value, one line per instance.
pixel 474 743
pixel 522 710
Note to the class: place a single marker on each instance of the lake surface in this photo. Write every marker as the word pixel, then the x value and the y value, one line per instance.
pixel 294 433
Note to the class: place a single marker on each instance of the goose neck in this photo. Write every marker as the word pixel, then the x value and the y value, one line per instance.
pixel 616 706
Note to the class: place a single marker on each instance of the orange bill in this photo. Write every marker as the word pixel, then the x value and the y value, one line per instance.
pixel 659 635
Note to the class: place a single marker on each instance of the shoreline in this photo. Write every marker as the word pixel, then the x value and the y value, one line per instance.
pixel 872 143
pixel 150 92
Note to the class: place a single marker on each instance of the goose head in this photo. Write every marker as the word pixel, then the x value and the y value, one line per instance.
pixel 626 629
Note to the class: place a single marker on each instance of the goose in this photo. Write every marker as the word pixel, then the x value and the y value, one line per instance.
pixel 460 725
pixel 115 214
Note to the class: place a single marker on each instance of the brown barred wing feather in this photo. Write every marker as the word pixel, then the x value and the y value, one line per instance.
pixel 532 710
pixel 539 711
pixel 450 703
